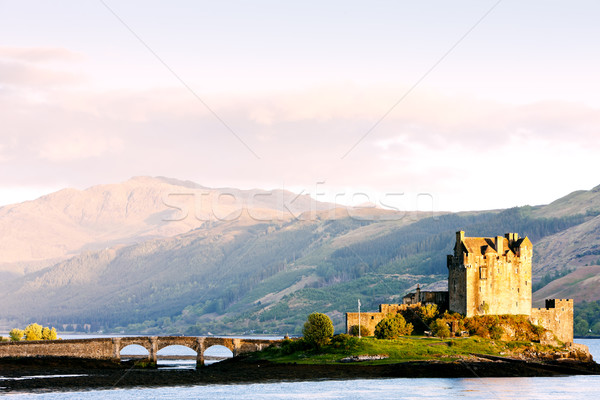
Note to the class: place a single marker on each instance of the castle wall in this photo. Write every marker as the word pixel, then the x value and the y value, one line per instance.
pixel 370 319
pixel 367 319
pixel 557 317
pixel 440 298
pixel 486 276
pixel 457 286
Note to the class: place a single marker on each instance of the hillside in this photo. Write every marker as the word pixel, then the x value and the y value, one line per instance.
pixel 249 274
pixel 581 285
pixel 578 202
pixel 38 233
pixel 570 249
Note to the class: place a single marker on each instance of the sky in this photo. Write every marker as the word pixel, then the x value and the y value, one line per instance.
pixel 449 106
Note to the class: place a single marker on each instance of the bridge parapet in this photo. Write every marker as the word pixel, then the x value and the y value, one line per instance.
pixel 110 348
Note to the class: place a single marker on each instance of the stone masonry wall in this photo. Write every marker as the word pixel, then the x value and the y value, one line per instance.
pixel 110 348
pixel 101 349
pixel 367 319
pixel 557 317
pixel 370 319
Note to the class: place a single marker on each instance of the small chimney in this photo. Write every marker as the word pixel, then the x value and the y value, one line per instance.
pixel 460 236
pixel 499 245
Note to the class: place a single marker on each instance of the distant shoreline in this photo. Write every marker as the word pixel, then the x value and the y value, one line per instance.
pixel 87 374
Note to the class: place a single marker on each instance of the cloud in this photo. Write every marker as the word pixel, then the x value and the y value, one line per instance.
pixel 37 67
pixel 431 143
pixel 77 147
pixel 38 54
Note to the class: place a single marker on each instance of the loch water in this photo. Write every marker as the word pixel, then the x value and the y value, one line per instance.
pixel 562 387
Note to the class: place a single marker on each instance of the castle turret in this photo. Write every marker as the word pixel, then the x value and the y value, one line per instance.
pixel 499 245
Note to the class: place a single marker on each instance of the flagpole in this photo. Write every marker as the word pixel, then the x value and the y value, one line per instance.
pixel 358 317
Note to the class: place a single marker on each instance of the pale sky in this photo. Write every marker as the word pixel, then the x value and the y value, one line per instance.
pixel 478 104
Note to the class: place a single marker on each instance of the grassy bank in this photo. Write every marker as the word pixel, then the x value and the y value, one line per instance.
pixel 404 349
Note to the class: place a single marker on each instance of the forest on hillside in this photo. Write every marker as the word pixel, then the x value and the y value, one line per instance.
pixel 264 277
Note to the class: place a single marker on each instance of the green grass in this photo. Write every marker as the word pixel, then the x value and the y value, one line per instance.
pixel 412 348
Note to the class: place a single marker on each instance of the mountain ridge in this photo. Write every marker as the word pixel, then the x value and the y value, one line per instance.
pixel 61 224
pixel 235 275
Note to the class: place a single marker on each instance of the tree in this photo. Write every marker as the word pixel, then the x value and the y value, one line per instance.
pixel 33 332
pixel 318 329
pixel 393 327
pixel 440 328
pixel 16 334
pixel 428 313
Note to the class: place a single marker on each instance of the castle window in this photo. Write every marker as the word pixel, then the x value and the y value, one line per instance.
pixel 372 317
pixel 482 273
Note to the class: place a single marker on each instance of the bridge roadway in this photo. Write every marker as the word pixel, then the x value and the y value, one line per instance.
pixel 110 348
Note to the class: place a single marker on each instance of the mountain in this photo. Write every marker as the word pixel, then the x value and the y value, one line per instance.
pixel 38 233
pixel 581 285
pixel 265 264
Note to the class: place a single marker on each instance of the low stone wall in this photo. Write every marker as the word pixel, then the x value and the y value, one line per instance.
pixel 370 319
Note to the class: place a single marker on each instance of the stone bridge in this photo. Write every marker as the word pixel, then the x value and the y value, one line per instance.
pixel 110 348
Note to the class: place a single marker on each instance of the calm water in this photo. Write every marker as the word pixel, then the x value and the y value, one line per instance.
pixel 568 387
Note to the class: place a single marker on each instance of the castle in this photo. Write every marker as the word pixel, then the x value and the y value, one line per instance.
pixel 486 276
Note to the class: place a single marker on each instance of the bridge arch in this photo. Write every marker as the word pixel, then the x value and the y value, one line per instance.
pixel 134 351
pixel 217 352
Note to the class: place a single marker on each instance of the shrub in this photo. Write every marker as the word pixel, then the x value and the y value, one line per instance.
pixel 496 332
pixel 439 327
pixel 33 332
pixel 291 346
pixel 393 327
pixel 16 335
pixel 318 329
pixel 364 331
pixel 343 341
pixel 49 334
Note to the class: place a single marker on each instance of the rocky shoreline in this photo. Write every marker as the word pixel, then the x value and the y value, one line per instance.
pixel 77 374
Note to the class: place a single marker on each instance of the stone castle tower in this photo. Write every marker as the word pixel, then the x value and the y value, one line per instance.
pixel 486 276
pixel 490 275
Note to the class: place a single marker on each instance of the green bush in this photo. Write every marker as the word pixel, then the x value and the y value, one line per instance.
pixel 318 329
pixel 440 328
pixel 364 331
pixel 343 341
pixel 393 327
pixel 291 346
